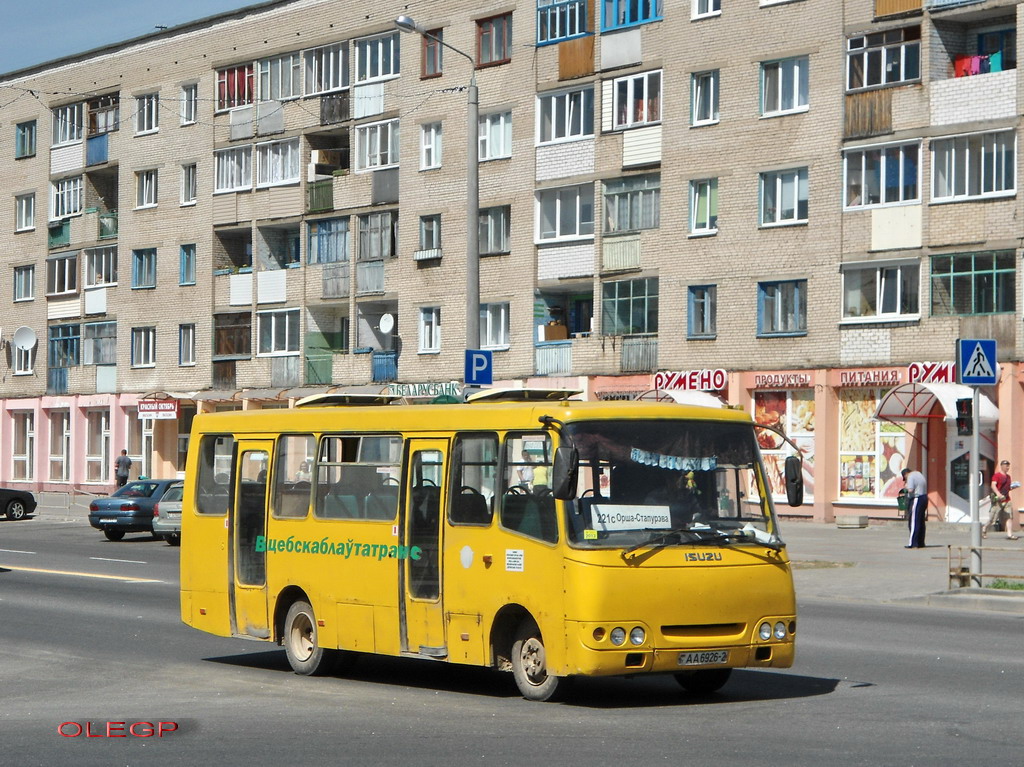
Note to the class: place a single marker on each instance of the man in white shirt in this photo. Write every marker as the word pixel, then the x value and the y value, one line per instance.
pixel 917 508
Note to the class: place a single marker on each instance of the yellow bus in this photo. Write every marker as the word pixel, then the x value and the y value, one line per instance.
pixel 545 536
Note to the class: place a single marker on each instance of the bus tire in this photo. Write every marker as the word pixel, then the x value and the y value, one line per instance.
pixel 529 664
pixel 703 682
pixel 301 642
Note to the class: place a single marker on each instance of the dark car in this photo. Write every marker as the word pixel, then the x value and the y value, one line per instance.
pixel 130 509
pixel 16 504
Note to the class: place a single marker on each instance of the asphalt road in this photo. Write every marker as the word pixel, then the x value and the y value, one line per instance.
pixel 874 684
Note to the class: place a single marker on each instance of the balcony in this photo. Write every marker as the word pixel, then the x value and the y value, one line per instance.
pixel 369 277
pixel 320 196
pixel 639 354
pixel 58 234
pixel 896 7
pixel 335 280
pixel 57 381
pixel 385 366
pixel 108 225
pixel 985 96
pixel 96 149
pixel 553 358
pixel 620 253
pixel 335 108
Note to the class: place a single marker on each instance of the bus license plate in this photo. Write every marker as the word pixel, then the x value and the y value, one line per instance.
pixel 706 658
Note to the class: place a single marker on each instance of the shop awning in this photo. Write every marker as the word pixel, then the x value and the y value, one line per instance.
pixel 917 401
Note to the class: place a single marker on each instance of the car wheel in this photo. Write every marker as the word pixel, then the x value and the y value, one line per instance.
pixel 174 539
pixel 114 535
pixel 16 509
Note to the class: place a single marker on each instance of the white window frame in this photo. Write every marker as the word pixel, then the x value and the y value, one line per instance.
pixel 702 9
pixel 62 274
pixel 189 184
pixel 243 91
pixel 233 169
pixel 704 87
pixel 326 68
pixel 627 91
pixel 495 230
pixel 68 124
pixel 963 165
pixel 703 220
pixel 147 113
pixel 101 266
pixel 60 444
pixel 66 197
pixel 143 349
pixel 189 101
pixel 796 69
pixel 495 136
pixel 494 326
pixel 430 330
pixel 23 426
pixel 559 20
pixel 277 333
pixel 97 446
pixel 892 285
pixel 430 232
pixel 556 204
pixel 887 50
pixel 377 145
pixel 871 164
pixel 783 184
pixel 187 345
pixel 279 78
pixel 431 143
pixel 277 163
pixel 25 282
pixel 564 116
pixel 24 361
pixel 377 58
pixel 147 188
pixel 25 212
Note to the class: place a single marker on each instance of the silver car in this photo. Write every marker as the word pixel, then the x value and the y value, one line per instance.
pixel 167 515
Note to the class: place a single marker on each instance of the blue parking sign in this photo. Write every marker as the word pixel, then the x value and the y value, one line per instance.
pixel 976 361
pixel 479 367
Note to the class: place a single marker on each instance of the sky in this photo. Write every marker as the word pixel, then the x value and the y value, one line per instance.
pixel 43 30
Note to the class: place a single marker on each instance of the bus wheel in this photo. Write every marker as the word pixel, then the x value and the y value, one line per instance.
pixel 529 664
pixel 113 535
pixel 301 645
pixel 703 682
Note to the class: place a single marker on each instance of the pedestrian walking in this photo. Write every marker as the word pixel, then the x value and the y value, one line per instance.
pixel 122 468
pixel 1002 508
pixel 917 507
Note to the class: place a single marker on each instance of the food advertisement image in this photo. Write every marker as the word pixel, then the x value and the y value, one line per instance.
pixel 792 412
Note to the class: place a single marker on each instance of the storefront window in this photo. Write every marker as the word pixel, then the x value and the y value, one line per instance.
pixel 792 412
pixel 871 454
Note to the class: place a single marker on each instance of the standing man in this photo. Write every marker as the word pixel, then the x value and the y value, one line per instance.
pixel 122 468
pixel 917 509
pixel 1001 506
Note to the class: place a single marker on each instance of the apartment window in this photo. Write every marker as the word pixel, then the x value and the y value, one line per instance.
pixel 432 53
pixel 632 203
pixel 24 451
pixel 60 444
pixel 104 114
pixel 24 282
pixel 189 101
pixel 278 332
pixel 430 232
pixel 377 57
pixel 430 329
pixel 784 197
pixel 701 310
pixel 430 146
pixel 702 8
pixel 784 86
pixel 234 169
pixel 280 77
pixel 63 346
pixel 186 345
pixel 782 308
pixel 881 291
pixel 65 197
pixel 978 165
pixel 97 446
pixel 704 206
pixel 101 266
pixel 636 100
pixel 144 347
pixel 974 283
pixel 494 326
pixel 187 265
pixel 24 212
pixel 327 68
pixel 560 20
pixel 882 175
pixel 147 113
pixel 704 96
pixel 277 162
pixel 1000 46
pixel 377 145
pixel 189 184
pixel 144 268
pixel 62 275
pixel 494 40
pixel 378 235
pixel 565 213
pixel 146 188
pixel 67 124
pixel 883 58
pixel 25 139
pixel 495 230
pixel 616 14
pixel 24 361
pixel 496 136
pixel 232 334
pixel 328 241
pixel 99 343
pixel 629 306
pixel 234 87
pixel 565 116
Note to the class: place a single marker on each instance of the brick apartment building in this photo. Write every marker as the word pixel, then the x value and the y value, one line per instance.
pixel 795 206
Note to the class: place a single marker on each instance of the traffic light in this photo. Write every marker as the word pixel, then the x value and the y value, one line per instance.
pixel 964 417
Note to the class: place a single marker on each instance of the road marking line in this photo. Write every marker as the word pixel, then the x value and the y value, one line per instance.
pixel 16 551
pixel 81 575
pixel 129 561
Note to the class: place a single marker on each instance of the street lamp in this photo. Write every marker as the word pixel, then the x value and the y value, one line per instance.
pixel 406 24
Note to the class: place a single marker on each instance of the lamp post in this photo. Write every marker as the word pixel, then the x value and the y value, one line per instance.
pixel 406 24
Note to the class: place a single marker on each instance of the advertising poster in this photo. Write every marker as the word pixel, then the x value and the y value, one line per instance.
pixel 792 412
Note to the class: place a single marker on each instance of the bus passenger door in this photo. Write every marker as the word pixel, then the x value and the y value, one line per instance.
pixel 422 615
pixel 249 564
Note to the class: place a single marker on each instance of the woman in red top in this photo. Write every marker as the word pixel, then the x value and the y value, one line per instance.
pixel 1001 486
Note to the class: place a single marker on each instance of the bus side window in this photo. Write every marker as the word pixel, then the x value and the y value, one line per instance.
pixel 527 505
pixel 291 481
pixel 213 482
pixel 474 475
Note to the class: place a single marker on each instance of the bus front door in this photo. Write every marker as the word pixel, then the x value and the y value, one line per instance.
pixel 422 615
pixel 249 563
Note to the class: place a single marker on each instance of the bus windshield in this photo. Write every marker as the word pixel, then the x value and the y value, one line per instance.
pixel 667 482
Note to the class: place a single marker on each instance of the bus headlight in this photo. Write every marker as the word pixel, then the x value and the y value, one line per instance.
pixel 618 635
pixel 765 631
pixel 637 635
pixel 780 630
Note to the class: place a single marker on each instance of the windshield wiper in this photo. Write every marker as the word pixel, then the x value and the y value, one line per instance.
pixel 709 535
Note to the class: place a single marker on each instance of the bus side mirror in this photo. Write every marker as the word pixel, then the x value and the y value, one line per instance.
pixel 564 473
pixel 794 480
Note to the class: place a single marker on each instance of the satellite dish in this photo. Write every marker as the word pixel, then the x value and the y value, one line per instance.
pixel 25 338
pixel 387 323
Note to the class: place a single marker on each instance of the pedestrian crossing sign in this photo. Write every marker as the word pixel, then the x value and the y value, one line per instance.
pixel 976 361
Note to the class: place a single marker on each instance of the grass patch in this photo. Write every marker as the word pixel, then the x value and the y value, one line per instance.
pixel 1002 583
